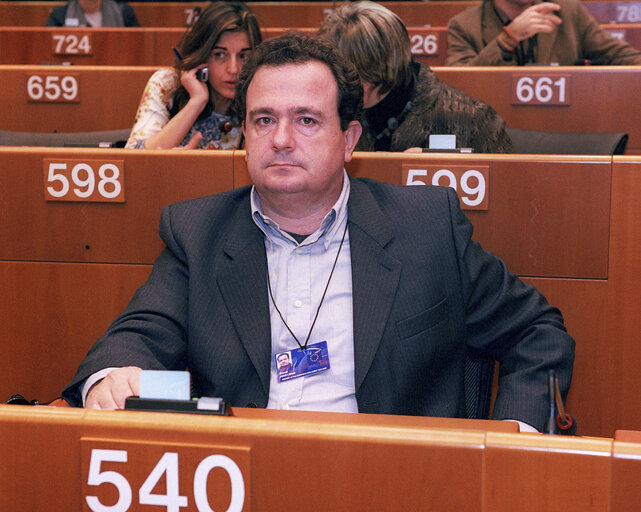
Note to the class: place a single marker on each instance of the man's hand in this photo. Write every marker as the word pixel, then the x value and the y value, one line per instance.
pixel 112 391
pixel 536 18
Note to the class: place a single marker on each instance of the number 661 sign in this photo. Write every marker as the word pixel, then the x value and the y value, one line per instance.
pixel 471 185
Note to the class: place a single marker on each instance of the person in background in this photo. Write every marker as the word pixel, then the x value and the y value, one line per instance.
pixel 404 101
pixel 378 289
pixel 190 105
pixel 93 13
pixel 521 32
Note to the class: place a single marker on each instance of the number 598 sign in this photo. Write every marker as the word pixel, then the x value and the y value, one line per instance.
pixel 471 185
pixel 89 181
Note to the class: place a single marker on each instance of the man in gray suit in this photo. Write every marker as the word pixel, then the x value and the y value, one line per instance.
pixel 377 291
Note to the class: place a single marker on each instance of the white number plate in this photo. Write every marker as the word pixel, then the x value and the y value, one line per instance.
pixel 89 181
pixel 471 185
pixel 74 43
pixel 125 475
pixel 424 42
pixel 53 87
pixel 548 89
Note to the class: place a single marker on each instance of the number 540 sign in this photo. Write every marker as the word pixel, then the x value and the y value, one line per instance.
pixel 471 185
pixel 123 476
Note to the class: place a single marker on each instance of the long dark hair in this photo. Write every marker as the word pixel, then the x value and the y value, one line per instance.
pixel 199 42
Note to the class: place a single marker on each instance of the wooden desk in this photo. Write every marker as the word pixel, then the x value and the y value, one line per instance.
pixel 398 465
pixel 598 99
pixel 270 14
pixel 112 46
pixel 600 307
pixel 104 98
pixel 569 225
pixel 300 14
pixel 69 268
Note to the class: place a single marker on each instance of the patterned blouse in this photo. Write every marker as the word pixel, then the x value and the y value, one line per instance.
pixel 153 114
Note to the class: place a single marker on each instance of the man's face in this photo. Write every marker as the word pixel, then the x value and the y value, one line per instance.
pixel 294 140
pixel 283 360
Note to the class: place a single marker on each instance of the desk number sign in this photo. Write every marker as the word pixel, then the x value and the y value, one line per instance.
pixel 76 43
pixel 53 87
pixel 120 476
pixel 93 181
pixel 539 89
pixel 471 184
pixel 424 42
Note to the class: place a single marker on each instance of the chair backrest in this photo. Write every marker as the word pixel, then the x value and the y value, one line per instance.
pixel 561 143
pixel 479 374
pixel 106 138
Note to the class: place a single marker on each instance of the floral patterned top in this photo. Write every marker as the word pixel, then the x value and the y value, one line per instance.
pixel 153 114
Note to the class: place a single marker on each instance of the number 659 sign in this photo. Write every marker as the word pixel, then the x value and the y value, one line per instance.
pixel 471 185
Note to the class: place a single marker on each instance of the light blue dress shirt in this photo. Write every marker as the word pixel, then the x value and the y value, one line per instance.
pixel 298 274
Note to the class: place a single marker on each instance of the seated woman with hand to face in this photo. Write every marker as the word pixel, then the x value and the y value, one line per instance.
pixel 188 107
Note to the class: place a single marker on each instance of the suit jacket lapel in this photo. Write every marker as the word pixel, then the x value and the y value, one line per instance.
pixel 243 285
pixel 375 275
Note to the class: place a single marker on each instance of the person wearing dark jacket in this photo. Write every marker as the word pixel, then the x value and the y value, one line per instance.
pixel 93 13
pixel 404 101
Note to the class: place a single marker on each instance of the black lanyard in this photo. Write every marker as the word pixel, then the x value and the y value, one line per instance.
pixel 269 286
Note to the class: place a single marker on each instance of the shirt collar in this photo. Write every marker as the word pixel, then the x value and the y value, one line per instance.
pixel 331 223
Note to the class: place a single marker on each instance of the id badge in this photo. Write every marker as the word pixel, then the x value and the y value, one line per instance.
pixel 298 363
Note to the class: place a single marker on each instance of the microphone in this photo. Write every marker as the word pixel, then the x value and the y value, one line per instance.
pixel 550 424
pixel 563 422
pixel 225 126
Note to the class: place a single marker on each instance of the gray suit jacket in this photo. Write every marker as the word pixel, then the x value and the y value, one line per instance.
pixel 424 296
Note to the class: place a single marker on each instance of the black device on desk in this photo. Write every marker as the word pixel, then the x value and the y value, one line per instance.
pixel 204 405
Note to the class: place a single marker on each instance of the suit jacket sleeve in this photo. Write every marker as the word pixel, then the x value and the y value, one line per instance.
pixel 512 322
pixel 129 16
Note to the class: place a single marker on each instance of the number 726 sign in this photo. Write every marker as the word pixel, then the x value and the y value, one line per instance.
pixel 471 184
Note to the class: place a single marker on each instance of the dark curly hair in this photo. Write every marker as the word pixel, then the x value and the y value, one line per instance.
pixel 298 48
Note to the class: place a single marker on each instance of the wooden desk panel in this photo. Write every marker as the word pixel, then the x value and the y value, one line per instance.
pixel 51 314
pixel 109 46
pixel 270 14
pixel 37 230
pixel 620 347
pixel 355 466
pixel 539 219
pixel 109 98
pixel 602 314
pixel 603 99
pixel 551 473
pixel 153 46
pixel 625 494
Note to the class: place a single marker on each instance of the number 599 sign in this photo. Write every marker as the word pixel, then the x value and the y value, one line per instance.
pixel 471 185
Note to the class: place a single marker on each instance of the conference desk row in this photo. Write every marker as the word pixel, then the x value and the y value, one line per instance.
pixel 153 46
pixel 79 236
pixel 300 14
pixel 61 459
pixel 566 99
